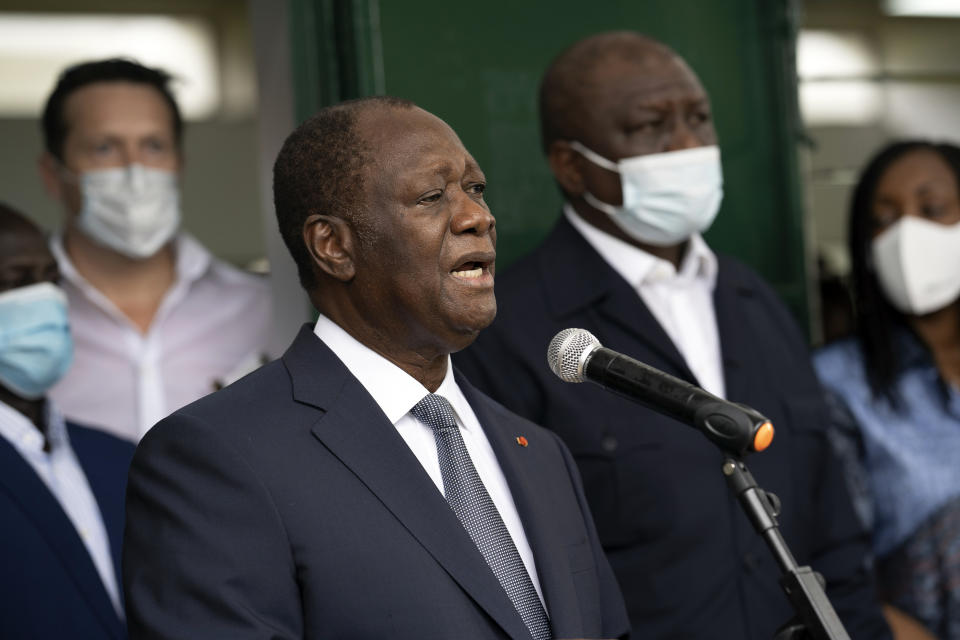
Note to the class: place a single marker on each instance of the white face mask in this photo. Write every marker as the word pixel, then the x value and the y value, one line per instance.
pixel 667 197
pixel 918 264
pixel 133 210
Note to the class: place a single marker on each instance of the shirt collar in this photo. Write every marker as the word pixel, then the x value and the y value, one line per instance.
pixel 192 260
pixel 638 267
pixel 393 389
pixel 19 431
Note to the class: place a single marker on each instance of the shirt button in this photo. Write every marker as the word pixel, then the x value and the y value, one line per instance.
pixel 609 443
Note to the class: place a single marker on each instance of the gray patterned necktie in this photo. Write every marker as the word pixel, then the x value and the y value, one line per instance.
pixel 470 501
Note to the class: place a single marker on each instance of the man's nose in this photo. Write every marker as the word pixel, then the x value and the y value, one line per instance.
pixel 131 153
pixel 681 137
pixel 472 217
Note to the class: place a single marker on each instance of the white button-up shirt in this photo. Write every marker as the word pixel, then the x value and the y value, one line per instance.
pixel 212 319
pixel 681 301
pixel 396 393
pixel 61 473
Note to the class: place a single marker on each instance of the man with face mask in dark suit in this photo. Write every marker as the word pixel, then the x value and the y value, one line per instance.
pixel 628 134
pixel 61 485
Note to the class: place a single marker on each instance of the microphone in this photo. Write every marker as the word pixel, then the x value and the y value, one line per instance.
pixel 576 355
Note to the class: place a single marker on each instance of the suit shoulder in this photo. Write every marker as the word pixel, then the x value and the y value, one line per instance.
pixel 259 393
pixel 734 273
pixel 737 273
pixel 89 438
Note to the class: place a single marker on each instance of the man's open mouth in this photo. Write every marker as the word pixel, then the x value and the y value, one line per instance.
pixel 473 267
pixel 469 270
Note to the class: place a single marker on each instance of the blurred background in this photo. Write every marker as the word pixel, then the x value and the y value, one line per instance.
pixel 802 93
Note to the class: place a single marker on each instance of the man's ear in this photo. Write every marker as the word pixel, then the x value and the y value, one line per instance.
pixel 331 244
pixel 565 163
pixel 49 168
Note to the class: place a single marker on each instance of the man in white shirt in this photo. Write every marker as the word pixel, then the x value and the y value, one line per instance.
pixel 61 485
pixel 157 321
pixel 359 487
pixel 628 134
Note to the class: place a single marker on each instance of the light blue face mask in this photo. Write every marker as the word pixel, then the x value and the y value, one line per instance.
pixel 35 344
pixel 667 197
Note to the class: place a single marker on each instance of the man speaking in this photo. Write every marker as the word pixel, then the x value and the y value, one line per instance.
pixel 358 487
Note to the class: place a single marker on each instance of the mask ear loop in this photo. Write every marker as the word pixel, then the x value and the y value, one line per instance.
pixel 602 162
pixel 64 173
pixel 595 157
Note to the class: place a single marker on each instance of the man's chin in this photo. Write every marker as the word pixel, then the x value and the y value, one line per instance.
pixel 470 330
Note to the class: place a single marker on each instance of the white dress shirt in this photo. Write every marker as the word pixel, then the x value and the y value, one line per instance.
pixel 61 473
pixel 213 318
pixel 396 393
pixel 681 301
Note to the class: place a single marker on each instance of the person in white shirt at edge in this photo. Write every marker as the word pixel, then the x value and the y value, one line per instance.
pixel 157 321
pixel 61 485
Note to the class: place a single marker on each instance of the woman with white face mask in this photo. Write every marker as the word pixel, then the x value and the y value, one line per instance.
pixel 895 385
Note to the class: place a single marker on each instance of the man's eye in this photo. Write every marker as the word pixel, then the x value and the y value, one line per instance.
pixel 103 148
pixel 51 274
pixel 430 197
pixel 933 211
pixel 700 117
pixel 884 218
pixel 647 126
pixel 25 278
pixel 156 146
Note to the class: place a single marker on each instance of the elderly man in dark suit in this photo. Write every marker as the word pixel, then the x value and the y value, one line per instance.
pixel 61 485
pixel 359 487
pixel 627 131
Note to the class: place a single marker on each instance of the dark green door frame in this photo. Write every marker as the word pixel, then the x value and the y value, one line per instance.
pixel 335 52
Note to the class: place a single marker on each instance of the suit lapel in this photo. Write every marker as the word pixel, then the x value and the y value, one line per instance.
pixel 108 484
pixel 522 467
pixel 729 300
pixel 39 505
pixel 578 280
pixel 355 430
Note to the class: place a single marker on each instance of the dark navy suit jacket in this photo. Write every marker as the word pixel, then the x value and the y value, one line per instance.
pixel 49 587
pixel 689 563
pixel 288 506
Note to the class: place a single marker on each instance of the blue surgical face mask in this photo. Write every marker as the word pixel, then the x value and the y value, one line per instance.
pixel 667 197
pixel 35 344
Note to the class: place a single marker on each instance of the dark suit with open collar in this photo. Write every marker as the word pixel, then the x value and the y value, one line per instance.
pixel 49 586
pixel 288 506
pixel 688 562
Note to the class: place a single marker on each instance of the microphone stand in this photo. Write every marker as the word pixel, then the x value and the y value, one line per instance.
pixel 815 618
